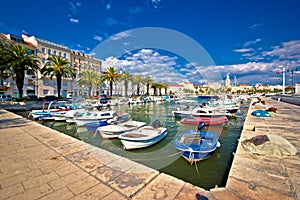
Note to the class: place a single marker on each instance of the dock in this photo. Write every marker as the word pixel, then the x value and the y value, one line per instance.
pixel 37 162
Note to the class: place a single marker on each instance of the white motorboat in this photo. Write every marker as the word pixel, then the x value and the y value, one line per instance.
pixel 144 136
pixel 93 116
pixel 199 111
pixel 114 130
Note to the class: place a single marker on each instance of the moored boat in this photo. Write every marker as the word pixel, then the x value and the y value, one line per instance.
pixel 196 145
pixel 93 116
pixel 144 136
pixel 208 120
pixel 120 126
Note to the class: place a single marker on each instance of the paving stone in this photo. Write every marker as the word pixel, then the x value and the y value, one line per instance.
pixel 61 194
pixel 255 192
pixel 224 194
pixel 34 193
pixel 39 180
pixel 20 178
pixel 67 180
pixel 162 187
pixel 191 192
pixel 11 191
pixel 98 191
pixel 82 185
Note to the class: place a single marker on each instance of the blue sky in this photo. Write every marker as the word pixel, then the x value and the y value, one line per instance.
pixel 248 39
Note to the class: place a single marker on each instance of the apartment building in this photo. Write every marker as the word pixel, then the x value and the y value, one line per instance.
pixel 41 86
pixel 84 62
pixel 8 85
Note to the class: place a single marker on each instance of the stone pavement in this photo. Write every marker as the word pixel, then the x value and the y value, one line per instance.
pixel 37 162
pixel 260 177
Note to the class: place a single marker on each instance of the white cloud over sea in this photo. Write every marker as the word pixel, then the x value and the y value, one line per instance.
pixel 149 62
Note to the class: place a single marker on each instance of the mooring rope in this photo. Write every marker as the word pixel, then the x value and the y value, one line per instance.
pixel 156 158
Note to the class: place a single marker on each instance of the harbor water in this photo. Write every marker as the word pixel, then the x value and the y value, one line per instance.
pixel 163 156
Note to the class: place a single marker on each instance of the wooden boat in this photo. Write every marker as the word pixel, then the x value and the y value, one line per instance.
pixel 196 145
pixel 120 126
pixel 208 120
pixel 199 112
pixel 93 116
pixel 144 136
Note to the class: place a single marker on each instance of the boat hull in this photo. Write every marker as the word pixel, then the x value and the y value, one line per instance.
pixel 208 120
pixel 131 143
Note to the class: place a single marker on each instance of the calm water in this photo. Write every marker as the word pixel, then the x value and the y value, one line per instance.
pixel 163 156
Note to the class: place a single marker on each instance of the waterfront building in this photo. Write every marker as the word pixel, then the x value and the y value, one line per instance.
pixel 41 86
pixel 84 62
pixel 8 85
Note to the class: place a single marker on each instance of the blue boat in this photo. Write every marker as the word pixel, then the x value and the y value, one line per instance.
pixel 196 145
pixel 92 126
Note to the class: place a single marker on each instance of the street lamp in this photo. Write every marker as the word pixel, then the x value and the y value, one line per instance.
pixel 292 72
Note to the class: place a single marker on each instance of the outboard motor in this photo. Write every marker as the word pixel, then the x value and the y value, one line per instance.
pixel 201 126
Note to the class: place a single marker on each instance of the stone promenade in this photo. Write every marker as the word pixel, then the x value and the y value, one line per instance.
pixel 37 162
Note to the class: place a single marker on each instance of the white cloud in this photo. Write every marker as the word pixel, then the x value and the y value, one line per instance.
pixel 108 6
pixel 287 50
pixel 255 26
pixel 246 44
pixel 244 50
pixel 98 38
pixel 121 35
pixel 111 21
pixel 155 3
pixel 73 20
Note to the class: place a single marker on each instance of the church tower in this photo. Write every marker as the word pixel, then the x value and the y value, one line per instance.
pixel 227 81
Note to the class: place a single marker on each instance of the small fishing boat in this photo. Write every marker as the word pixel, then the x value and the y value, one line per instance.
pixel 48 109
pixel 144 136
pixel 208 120
pixel 121 125
pixel 92 126
pixel 196 145
pixel 119 118
pixel 198 111
pixel 93 116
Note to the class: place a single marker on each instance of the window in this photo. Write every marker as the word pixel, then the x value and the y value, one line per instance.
pixel 54 52
pixel 46 82
pixel 45 92
pixel 59 54
pixel 43 50
pixel 49 51
pixel 65 83
pixel 43 60
pixel 65 55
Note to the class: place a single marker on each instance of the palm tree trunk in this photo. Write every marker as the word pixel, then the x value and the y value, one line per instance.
pixel 126 88
pixel 90 91
pixel 138 89
pixel 58 79
pixel 20 82
pixel 111 87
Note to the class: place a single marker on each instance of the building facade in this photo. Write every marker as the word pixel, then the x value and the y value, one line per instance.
pixel 41 86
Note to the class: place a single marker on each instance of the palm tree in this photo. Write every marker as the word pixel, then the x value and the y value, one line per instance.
pixel 148 80
pixel 18 59
pixel 126 77
pixel 90 79
pixel 112 76
pixel 60 68
pixel 137 80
